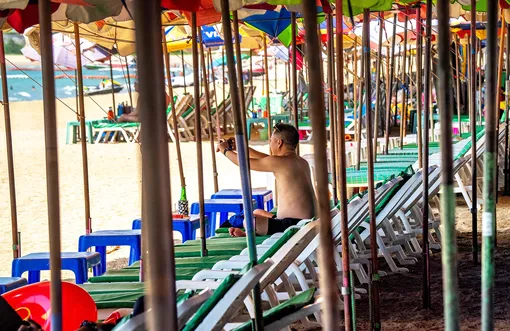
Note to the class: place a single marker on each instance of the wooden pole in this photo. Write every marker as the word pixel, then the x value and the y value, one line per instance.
pixel 242 150
pixel 81 102
pixel 268 98
pixel 52 177
pixel 332 113
pixel 506 171
pixel 378 85
pixel 449 240
pixel 225 131
pixel 217 115
pixel 490 168
pixel 425 159
pixel 327 266
pixel 156 197
pixel 342 174
pixel 173 114
pixel 111 81
pixel 10 155
pixel 129 82
pixel 294 74
pixel 403 111
pixel 240 82
pixel 390 89
pixel 198 133
pixel 472 121
pixel 208 110
pixel 419 84
pixel 359 118
pixel 457 80
pixel 183 71
pixel 374 275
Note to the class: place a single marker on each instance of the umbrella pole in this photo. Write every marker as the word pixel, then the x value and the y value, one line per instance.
pixel 198 133
pixel 419 84
pixel 449 240
pixel 498 101
pixel 83 141
pixel 111 81
pixel 183 71
pixel 331 108
pixel 287 75
pixel 355 93
pixel 225 131
pixel 362 83
pixel 389 93
pixel 251 69
pixel 374 275
pixel 342 174
pixel 217 115
pixel 425 159
pixel 268 99
pixel 242 149
pixel 240 82
pixel 10 155
pixel 472 121
pixel 156 197
pixel 378 86
pixel 208 109
pixel 173 114
pixel 327 265
pixel 457 80
pixel 489 169
pixel 52 177
pixel 403 111
pixel 294 74
pixel 129 82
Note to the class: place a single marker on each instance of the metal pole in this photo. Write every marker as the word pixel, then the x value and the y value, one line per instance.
pixel 81 102
pixel 405 86
pixel 52 178
pixel 457 80
pixel 198 132
pixel 374 276
pixel 342 174
pixel 173 114
pixel 389 93
pixel 362 83
pixel 294 74
pixel 498 101
pixel 10 155
pixel 225 131
pixel 129 82
pixel 449 240
pixel 327 266
pixel 489 171
pixel 111 81
pixel 275 73
pixel 183 71
pixel 472 121
pixel 378 85
pixel 242 150
pixel 425 159
pixel 332 113
pixel 507 89
pixel 251 68
pixel 268 98
pixel 419 84
pixel 217 115
pixel 208 110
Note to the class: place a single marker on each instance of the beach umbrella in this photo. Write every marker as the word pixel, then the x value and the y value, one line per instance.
pixel 64 51
pixel 275 23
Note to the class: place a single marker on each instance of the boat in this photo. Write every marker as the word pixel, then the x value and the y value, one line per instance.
pixel 104 87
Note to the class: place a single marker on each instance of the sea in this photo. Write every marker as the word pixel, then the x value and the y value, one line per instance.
pixel 25 83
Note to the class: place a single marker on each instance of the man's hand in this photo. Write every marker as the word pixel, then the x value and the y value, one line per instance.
pixel 221 146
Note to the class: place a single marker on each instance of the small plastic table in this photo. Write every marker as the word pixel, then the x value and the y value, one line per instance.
pixel 219 206
pixel 101 239
pixel 77 262
pixel 262 196
pixel 10 283
pixel 185 226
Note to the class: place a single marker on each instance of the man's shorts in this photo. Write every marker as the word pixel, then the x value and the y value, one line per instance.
pixel 276 225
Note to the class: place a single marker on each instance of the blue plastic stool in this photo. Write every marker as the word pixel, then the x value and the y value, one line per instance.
pixel 218 206
pixel 10 283
pixel 186 227
pixel 262 196
pixel 101 239
pixel 77 262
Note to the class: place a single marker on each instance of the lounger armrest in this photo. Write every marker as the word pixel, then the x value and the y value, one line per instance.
pixel 229 265
pixel 212 274
pixel 196 285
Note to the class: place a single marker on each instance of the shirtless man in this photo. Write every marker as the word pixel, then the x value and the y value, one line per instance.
pixel 295 189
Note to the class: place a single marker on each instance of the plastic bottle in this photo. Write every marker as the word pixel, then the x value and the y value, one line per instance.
pixel 111 115
pixel 120 109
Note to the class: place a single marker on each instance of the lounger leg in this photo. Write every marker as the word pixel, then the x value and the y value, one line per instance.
pixel 387 256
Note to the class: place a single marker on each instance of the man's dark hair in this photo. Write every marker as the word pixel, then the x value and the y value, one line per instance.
pixel 288 134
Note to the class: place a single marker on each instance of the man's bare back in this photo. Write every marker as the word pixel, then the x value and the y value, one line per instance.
pixel 295 189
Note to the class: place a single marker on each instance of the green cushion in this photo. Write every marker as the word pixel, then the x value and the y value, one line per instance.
pixel 116 299
pixel 113 287
pixel 212 250
pixel 288 307
pixel 207 306
pixel 228 240
pixel 133 275
pixel 278 244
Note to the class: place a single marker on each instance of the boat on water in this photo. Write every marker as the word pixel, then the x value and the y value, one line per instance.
pixel 106 86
